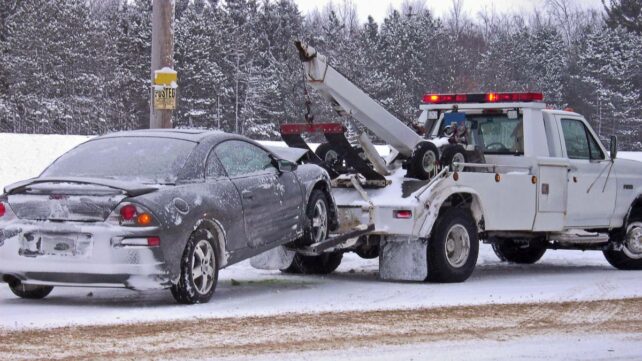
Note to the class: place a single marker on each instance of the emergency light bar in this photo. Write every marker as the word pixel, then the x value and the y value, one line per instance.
pixel 482 98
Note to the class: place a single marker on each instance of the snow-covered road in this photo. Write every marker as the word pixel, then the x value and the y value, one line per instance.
pixel 244 291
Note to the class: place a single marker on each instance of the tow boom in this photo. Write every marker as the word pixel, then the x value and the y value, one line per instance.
pixel 348 99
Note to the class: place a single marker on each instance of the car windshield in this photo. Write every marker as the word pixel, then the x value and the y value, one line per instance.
pixel 137 159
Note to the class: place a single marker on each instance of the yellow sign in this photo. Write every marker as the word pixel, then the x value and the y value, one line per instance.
pixel 165 76
pixel 164 98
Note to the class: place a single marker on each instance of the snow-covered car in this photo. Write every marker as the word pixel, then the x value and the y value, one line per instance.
pixel 157 209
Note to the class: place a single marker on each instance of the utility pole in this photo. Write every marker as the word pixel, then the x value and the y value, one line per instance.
pixel 236 109
pixel 162 55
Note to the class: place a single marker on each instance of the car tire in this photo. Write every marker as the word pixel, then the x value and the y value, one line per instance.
pixel 318 215
pixel 453 247
pixel 629 258
pixel 199 270
pixel 424 161
pixel 315 265
pixel 453 153
pixel 29 292
pixel 514 252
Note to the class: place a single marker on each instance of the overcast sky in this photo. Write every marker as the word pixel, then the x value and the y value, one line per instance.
pixel 379 8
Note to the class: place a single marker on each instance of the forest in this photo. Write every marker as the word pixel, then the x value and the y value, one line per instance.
pixel 83 66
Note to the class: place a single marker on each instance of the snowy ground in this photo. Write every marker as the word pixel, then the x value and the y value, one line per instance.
pixel 560 276
pixel 244 291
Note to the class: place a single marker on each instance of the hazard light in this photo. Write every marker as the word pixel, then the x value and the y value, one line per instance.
pixel 482 98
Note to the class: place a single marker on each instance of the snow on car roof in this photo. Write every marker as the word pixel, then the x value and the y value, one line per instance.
pixel 194 135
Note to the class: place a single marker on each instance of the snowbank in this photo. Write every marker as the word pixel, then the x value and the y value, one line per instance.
pixel 27 155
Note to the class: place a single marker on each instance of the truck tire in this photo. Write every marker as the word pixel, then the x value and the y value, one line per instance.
pixel 453 247
pixel 329 154
pixel 318 216
pixel 454 153
pixel 199 270
pixel 514 252
pixel 630 256
pixel 424 161
pixel 29 292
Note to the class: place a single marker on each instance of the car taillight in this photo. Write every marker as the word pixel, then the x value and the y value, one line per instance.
pixel 128 212
pixel 134 215
pixel 3 209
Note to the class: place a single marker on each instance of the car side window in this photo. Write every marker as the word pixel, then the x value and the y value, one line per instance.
pixel 213 168
pixel 580 143
pixel 242 158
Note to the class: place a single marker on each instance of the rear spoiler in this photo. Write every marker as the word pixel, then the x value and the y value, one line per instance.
pixel 291 154
pixel 130 188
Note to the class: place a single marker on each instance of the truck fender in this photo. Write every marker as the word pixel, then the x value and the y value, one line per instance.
pixel 635 210
pixel 468 197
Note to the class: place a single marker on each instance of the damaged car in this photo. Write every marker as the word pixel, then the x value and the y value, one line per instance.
pixel 158 209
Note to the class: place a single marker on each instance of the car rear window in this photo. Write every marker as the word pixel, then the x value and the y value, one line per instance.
pixel 138 159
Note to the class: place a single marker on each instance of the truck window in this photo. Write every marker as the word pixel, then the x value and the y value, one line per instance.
pixel 580 143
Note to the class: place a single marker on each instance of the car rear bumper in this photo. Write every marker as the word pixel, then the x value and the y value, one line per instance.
pixel 77 254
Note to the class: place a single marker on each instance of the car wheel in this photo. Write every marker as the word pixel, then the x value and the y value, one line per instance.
pixel 424 161
pixel 317 231
pixel 453 247
pixel 30 292
pixel 516 252
pixel 630 256
pixel 199 270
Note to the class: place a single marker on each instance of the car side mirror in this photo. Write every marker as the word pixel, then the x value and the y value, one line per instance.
pixel 285 165
pixel 613 149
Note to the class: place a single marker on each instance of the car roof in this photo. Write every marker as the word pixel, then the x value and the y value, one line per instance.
pixel 193 135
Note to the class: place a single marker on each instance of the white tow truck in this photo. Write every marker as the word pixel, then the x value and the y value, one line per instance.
pixel 543 181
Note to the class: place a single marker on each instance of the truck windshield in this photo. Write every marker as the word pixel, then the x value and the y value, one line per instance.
pixel 137 159
pixel 495 133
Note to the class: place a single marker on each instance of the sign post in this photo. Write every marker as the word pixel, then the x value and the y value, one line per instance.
pixel 163 94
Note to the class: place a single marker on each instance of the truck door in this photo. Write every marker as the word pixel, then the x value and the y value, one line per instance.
pixel 591 182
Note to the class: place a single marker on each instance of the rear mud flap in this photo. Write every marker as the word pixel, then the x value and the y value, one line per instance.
pixel 403 259
pixel 275 259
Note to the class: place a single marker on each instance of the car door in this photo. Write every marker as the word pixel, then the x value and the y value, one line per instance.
pixel 591 182
pixel 261 189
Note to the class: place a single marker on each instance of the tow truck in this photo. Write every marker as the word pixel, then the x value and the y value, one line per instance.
pixel 518 175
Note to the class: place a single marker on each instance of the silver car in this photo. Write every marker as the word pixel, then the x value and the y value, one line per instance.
pixel 157 209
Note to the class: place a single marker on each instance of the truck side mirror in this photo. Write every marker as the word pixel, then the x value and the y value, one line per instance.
pixel 613 147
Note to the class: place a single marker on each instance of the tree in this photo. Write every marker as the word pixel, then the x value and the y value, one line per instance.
pixel 625 13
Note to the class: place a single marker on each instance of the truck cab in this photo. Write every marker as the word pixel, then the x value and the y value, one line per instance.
pixel 547 180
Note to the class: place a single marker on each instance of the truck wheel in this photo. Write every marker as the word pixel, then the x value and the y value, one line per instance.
pixel 30 292
pixel 329 154
pixel 522 253
pixel 630 256
pixel 453 154
pixel 199 270
pixel 453 247
pixel 424 161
